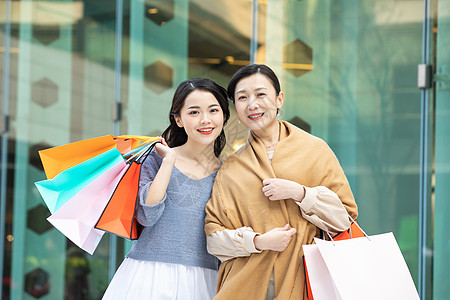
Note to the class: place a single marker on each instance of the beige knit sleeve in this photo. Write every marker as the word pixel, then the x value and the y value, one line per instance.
pixel 228 244
pixel 323 208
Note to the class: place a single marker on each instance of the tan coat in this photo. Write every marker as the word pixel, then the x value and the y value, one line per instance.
pixel 237 200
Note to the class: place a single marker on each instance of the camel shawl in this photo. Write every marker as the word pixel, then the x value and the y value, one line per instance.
pixel 237 200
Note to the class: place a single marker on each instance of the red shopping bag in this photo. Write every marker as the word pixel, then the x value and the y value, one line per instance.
pixel 354 231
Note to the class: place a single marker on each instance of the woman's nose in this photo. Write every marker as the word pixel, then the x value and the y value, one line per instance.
pixel 205 119
pixel 252 103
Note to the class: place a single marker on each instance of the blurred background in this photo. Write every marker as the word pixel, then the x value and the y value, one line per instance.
pixel 72 69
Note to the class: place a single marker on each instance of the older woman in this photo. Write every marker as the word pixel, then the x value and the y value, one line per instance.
pixel 271 197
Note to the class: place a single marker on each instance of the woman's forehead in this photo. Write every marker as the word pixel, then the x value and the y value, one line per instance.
pixel 253 82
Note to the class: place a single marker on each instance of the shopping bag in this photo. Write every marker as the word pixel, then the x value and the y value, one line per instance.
pixel 57 191
pixel 60 158
pixel 360 268
pixel 119 215
pixel 126 143
pixel 353 231
pixel 77 217
pixel 57 159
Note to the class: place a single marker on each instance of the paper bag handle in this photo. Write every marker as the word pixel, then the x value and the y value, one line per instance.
pixel 356 223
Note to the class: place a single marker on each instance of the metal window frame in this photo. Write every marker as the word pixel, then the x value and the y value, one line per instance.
pixel 426 150
pixel 4 136
pixel 112 266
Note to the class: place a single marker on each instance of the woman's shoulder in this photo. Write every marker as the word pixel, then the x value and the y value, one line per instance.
pixel 235 156
pixel 153 160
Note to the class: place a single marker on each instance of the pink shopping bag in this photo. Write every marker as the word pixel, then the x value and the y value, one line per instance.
pixel 77 217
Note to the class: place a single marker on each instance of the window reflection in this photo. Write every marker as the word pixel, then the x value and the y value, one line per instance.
pixel 219 37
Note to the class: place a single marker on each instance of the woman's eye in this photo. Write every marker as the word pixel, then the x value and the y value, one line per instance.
pixel 214 110
pixel 242 98
pixel 193 112
pixel 261 94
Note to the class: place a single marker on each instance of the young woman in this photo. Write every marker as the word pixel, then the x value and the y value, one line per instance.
pixel 271 197
pixel 169 260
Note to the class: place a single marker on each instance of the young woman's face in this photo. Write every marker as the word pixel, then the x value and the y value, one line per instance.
pixel 201 117
pixel 256 102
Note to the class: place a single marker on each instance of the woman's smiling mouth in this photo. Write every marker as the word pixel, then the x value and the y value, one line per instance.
pixel 206 130
pixel 255 117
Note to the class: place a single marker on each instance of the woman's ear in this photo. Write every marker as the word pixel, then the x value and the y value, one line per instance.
pixel 280 100
pixel 178 121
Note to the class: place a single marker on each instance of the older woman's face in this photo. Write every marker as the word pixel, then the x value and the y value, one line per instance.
pixel 256 102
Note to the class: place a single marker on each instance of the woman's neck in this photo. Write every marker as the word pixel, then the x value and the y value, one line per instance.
pixel 269 135
pixel 197 152
pixel 196 161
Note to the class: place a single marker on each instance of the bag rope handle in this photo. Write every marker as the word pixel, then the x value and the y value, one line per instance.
pixel 356 223
pixel 138 155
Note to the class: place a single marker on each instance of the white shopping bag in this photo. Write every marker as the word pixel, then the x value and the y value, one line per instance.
pixel 359 268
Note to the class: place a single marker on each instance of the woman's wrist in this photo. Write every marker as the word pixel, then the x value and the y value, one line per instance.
pixel 301 192
pixel 256 241
pixel 169 159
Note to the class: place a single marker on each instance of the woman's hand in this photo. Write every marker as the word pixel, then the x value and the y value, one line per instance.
pixel 168 154
pixel 277 239
pixel 280 189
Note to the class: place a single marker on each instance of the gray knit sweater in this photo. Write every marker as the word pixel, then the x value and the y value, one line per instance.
pixel 174 228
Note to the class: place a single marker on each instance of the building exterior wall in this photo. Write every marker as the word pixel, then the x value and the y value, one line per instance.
pixel 348 69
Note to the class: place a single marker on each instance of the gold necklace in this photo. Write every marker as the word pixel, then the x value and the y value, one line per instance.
pixel 270 146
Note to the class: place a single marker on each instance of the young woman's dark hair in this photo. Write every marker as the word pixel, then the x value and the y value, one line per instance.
pixel 249 71
pixel 176 136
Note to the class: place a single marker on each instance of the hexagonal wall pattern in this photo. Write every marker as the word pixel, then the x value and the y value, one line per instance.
pixel 300 123
pixel 298 58
pixel 46 34
pixel 158 77
pixel 37 283
pixel 33 155
pixel 37 219
pixel 159 11
pixel 44 92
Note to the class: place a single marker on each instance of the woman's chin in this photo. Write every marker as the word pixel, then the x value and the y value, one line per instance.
pixel 259 125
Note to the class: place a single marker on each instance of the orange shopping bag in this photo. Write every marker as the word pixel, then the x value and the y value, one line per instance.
pixel 57 159
pixel 119 215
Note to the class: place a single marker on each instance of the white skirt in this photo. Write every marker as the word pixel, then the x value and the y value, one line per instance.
pixel 137 279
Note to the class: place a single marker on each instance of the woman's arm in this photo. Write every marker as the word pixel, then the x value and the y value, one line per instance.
pixel 159 185
pixel 323 208
pixel 153 185
pixel 319 205
pixel 227 244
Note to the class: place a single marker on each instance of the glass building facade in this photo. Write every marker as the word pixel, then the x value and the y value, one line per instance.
pixel 76 69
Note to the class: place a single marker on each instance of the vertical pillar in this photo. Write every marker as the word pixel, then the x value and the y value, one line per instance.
pixel 43 117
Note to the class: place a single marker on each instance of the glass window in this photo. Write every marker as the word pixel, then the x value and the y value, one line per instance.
pixel 62 86
pixel 61 83
pixel 348 69
pixel 441 253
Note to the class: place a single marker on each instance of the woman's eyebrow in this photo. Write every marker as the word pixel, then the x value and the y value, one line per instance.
pixel 198 107
pixel 261 88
